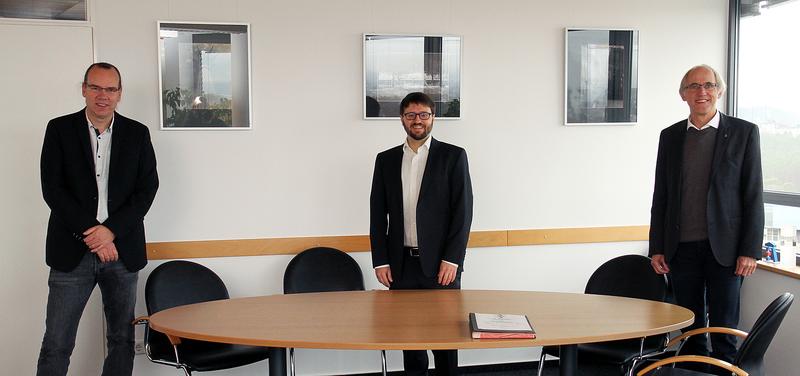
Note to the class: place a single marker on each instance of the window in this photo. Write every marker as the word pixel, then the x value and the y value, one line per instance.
pixel 782 230
pixel 766 94
pixel 767 87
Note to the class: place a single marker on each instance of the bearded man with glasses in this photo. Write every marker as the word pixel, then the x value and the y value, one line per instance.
pixel 707 217
pixel 420 217
pixel 98 191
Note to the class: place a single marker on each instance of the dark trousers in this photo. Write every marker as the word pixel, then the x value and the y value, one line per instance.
pixel 704 286
pixel 415 362
pixel 66 300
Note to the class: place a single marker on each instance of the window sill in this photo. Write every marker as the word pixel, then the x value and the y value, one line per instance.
pixel 787 270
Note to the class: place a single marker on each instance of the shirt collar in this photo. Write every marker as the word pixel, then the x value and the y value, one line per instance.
pixel 91 126
pixel 426 145
pixel 713 123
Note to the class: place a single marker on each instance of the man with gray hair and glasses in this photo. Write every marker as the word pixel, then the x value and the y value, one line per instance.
pixel 707 217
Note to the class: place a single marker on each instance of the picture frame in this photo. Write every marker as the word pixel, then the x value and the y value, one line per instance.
pixel 601 76
pixel 204 76
pixel 398 64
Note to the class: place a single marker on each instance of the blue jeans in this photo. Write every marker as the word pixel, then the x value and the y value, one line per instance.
pixel 65 303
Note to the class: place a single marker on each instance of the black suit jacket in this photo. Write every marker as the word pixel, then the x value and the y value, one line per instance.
pixel 735 210
pixel 70 189
pixel 444 209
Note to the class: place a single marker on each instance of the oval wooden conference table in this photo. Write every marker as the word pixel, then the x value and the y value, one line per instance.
pixel 416 320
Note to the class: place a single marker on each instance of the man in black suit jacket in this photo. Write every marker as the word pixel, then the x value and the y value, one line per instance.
pixel 707 218
pixel 99 178
pixel 420 217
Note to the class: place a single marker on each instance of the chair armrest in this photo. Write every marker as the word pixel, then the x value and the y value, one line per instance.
pixel 713 329
pixel 696 359
pixel 144 320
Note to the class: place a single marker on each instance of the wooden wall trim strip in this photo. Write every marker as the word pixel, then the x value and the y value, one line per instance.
pixel 253 247
pixel 578 235
pixel 360 243
pixel 479 239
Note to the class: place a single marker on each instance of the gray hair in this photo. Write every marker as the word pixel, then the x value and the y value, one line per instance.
pixel 717 78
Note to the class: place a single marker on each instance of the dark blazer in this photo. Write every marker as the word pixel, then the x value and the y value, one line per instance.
pixel 735 210
pixel 444 209
pixel 70 189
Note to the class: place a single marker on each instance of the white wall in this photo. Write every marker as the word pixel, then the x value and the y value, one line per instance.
pixel 305 168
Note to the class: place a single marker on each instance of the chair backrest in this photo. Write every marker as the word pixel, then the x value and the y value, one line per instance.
pixel 629 276
pixel 750 356
pixel 322 269
pixel 173 284
pixel 177 283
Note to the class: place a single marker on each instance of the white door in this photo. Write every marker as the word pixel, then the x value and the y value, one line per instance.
pixel 41 68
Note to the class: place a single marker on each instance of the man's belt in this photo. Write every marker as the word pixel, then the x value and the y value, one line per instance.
pixel 411 251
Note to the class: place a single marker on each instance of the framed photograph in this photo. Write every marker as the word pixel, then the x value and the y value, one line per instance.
pixel 395 65
pixel 204 75
pixel 601 76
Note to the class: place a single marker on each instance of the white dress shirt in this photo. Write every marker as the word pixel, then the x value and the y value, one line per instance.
pixel 713 123
pixel 101 150
pixel 412 169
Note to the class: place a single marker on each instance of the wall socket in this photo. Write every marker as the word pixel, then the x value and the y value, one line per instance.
pixel 138 347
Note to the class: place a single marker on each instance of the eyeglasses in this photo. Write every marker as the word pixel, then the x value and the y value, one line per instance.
pixel 696 86
pixel 413 115
pixel 99 89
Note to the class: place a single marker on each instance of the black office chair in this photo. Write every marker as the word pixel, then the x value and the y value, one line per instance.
pixel 749 358
pixel 322 269
pixel 628 276
pixel 177 283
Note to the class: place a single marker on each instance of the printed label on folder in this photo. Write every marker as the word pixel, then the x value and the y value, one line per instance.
pixel 501 322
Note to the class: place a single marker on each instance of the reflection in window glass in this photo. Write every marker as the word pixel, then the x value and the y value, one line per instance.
pixel 69 10
pixel 396 65
pixel 204 75
pixel 767 87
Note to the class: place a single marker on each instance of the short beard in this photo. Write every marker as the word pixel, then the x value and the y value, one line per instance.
pixel 421 137
pixel 418 138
